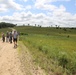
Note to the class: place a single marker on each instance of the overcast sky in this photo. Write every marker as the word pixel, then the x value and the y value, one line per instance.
pixel 40 12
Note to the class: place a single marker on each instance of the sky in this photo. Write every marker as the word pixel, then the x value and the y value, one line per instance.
pixel 40 12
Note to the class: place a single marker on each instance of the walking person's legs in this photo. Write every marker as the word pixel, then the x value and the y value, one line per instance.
pixel 15 42
pixel 6 39
pixel 11 40
pixel 3 39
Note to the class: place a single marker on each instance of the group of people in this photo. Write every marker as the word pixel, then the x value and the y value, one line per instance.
pixel 10 37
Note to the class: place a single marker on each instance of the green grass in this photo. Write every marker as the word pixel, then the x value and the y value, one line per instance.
pixel 45 30
pixel 53 49
pixel 4 30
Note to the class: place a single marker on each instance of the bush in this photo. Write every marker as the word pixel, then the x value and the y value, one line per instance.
pixel 40 48
pixel 63 59
pixel 72 67
pixel 23 34
pixel 44 49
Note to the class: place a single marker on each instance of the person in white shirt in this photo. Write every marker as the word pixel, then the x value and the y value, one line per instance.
pixel 15 36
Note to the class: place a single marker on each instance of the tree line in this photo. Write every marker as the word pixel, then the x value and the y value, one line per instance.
pixel 4 25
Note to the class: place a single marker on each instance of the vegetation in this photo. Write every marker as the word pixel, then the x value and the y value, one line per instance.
pixel 4 25
pixel 45 30
pixel 4 30
pixel 52 48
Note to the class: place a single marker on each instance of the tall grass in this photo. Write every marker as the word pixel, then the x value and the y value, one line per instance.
pixel 53 49
pixel 57 50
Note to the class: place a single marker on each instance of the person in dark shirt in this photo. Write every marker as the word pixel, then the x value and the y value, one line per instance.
pixel 10 37
pixel 3 37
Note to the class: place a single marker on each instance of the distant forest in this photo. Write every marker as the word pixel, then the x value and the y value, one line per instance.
pixel 4 25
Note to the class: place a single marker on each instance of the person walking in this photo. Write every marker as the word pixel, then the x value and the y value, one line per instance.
pixel 3 37
pixel 10 37
pixel 15 37
pixel 7 36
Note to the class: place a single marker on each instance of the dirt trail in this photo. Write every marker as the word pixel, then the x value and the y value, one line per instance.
pixel 12 64
pixel 9 60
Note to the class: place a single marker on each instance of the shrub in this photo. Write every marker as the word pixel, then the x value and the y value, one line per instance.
pixel 40 48
pixel 72 67
pixel 44 49
pixel 23 34
pixel 63 59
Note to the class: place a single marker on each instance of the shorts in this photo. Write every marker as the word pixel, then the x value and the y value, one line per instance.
pixel 15 40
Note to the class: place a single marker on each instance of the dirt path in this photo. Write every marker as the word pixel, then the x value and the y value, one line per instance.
pixel 9 60
pixel 13 64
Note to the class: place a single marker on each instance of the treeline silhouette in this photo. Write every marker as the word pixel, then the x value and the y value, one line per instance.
pixel 5 25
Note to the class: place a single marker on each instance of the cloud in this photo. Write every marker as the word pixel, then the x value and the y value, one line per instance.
pixel 9 4
pixel 58 15
pixel 28 7
pixel 47 1
pixel 47 5
pixel 3 8
pixel 14 5
pixel 25 0
pixel 64 20
pixel 55 15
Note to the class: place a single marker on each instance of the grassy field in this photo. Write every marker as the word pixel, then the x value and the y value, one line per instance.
pixel 54 49
pixel 4 30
